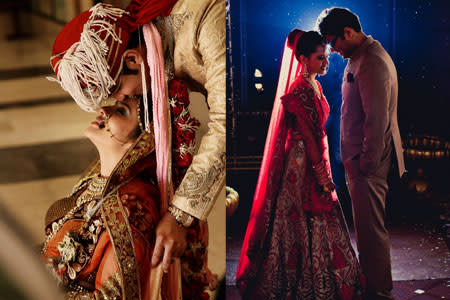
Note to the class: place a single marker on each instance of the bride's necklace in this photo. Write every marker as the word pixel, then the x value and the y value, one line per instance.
pixel 315 87
pixel 93 191
pixel 313 83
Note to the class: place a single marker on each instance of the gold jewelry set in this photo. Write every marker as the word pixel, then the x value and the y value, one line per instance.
pixel 326 189
pixel 94 190
pixel 107 117
pixel 323 176
pixel 108 129
pixel 312 82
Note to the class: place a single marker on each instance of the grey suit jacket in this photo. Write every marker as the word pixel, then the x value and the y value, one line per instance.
pixel 369 124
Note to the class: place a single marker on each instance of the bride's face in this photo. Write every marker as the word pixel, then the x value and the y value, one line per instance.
pixel 317 62
pixel 116 126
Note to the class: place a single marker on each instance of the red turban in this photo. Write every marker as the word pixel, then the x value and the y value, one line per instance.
pixel 87 53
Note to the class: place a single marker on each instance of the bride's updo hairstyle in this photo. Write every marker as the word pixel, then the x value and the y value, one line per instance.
pixel 304 42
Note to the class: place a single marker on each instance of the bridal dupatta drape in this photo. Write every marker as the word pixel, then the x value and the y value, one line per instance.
pixel 271 169
pixel 296 245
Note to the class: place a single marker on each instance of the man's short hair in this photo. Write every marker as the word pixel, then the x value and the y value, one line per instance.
pixel 333 20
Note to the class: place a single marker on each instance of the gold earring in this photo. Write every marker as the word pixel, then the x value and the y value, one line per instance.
pixel 139 115
pixel 306 72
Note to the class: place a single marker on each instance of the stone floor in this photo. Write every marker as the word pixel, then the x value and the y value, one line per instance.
pixel 431 289
pixel 420 261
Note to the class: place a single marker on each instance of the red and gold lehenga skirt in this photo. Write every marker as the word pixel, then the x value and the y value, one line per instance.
pixel 302 256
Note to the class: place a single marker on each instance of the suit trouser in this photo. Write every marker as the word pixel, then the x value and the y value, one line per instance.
pixel 368 194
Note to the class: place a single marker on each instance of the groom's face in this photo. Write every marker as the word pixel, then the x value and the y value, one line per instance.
pixel 338 44
pixel 129 83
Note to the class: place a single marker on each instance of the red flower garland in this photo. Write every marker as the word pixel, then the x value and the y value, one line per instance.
pixel 183 129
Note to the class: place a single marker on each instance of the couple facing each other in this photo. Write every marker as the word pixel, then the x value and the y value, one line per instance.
pixel 297 244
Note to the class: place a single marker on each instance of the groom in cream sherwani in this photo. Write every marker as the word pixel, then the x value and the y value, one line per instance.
pixel 370 139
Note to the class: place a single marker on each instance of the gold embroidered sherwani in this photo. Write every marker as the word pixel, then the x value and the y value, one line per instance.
pixel 194 38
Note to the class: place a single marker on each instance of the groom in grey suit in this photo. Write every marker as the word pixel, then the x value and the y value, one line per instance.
pixel 370 139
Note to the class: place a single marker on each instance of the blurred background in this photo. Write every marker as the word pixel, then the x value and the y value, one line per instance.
pixel 416 33
pixel 43 150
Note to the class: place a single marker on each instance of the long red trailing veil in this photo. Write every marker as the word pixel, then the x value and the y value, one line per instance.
pixel 271 169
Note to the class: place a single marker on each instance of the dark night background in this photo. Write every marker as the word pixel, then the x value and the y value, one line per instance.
pixel 416 33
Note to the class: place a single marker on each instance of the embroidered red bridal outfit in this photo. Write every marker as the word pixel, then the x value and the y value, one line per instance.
pixel 297 245
pixel 100 239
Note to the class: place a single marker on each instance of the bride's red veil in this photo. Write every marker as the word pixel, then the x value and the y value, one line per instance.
pixel 269 176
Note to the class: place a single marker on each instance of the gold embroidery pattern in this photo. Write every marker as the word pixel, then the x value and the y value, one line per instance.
pixel 92 170
pixel 119 230
pixel 94 189
pixel 144 145
pixel 57 224
pixel 307 99
pixel 111 290
pixel 177 20
pixel 200 188
pixel 163 26
pixel 115 221
pixel 75 248
pixel 139 216
pixel 80 296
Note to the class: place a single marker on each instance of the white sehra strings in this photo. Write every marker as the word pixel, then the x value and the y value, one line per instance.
pixel 85 63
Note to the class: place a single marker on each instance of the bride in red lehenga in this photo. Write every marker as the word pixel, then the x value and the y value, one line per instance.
pixel 297 244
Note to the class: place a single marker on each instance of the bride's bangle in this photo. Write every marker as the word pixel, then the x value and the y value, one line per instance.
pixel 321 172
pixel 329 187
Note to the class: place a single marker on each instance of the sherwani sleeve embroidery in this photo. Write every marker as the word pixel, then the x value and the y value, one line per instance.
pixel 206 175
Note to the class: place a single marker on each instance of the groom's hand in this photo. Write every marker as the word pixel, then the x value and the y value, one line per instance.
pixel 170 242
